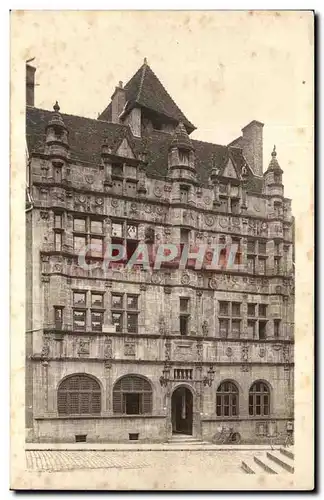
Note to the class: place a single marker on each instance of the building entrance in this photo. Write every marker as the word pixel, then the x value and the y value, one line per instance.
pixel 182 411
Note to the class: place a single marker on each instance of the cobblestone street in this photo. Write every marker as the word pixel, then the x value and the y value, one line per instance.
pixel 46 461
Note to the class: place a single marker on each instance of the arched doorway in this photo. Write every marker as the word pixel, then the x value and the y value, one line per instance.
pixel 182 411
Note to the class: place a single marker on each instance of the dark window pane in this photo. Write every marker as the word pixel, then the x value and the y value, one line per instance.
pixel 58 242
pixel 97 300
pixel 117 320
pixel 117 301
pixel 132 320
pixel 132 302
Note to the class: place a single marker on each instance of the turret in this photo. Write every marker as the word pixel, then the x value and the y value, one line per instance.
pixel 273 177
pixel 181 164
pixel 57 143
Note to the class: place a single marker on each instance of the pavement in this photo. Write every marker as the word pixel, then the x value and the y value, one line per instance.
pixel 228 461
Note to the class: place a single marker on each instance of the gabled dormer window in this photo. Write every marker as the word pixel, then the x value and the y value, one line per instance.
pixel 183 157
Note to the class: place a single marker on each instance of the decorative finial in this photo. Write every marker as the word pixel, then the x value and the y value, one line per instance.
pixel 56 107
pixel 145 60
pixel 274 153
pixel 120 84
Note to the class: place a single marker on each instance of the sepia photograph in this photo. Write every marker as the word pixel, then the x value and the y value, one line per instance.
pixel 162 250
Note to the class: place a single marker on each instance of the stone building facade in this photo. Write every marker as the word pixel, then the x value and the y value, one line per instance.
pixel 113 353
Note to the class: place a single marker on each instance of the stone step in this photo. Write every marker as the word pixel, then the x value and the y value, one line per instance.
pixel 275 457
pixel 287 453
pixel 265 465
pixel 247 469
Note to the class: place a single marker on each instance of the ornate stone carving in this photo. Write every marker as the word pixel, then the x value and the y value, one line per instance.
pixel 156 278
pixel 129 348
pixel 148 209
pixel 162 325
pixel 167 188
pixel 205 328
pixel 207 200
pixel 44 215
pixel 157 191
pixel 229 352
pixel 99 201
pixel 143 287
pixel 209 220
pixel 45 278
pixel 89 179
pixel 114 203
pixel 185 279
pixel 167 350
pixel 45 258
pixel 46 346
pixel 108 348
pixel 84 347
pixel 213 283
pixel 223 222
pixel 245 353
pixel 262 352
pixel 167 289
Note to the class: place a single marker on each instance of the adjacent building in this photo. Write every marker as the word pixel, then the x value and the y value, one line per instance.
pixel 116 353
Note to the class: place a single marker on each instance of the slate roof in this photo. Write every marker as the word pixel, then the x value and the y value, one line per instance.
pixel 146 90
pixel 274 165
pixel 86 136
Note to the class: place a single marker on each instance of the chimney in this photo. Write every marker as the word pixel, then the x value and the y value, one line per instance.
pixel 118 101
pixel 252 144
pixel 30 85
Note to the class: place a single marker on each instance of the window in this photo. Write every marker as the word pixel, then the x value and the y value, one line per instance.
pixel 125 234
pixel 80 311
pixel 79 395
pixel 236 309
pixel 184 236
pixel 58 317
pixel 183 157
pixel 277 248
pixel 251 328
pixel 262 247
pixel 184 315
pixel 259 399
pixel 236 328
pixel 184 191
pixel 262 266
pixel 79 299
pixel 132 395
pixel 277 178
pixel 125 311
pixel 58 241
pixel 131 188
pixel 262 330
pixel 88 231
pixel 251 246
pixel 251 265
pixel 58 220
pixel 235 206
pixel 263 310
pixel 276 328
pixel 251 309
pixel 224 308
pixel 223 328
pixel 96 299
pixel 79 320
pixel 96 321
pixel 238 252
pixel 277 262
pixel 117 170
pixel 232 325
pixel 58 175
pixel 277 208
pixel 227 400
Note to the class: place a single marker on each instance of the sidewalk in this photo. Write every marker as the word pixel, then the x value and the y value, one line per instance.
pixel 145 447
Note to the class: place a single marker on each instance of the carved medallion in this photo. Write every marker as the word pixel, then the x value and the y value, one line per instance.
pixel 99 201
pixel 229 352
pixel 209 220
pixel 207 200
pixel 223 222
pixel 262 352
pixel 114 203
pixel 157 191
pixel 89 179
pixel 185 279
pixel 147 209
pixel 129 349
pixel 213 283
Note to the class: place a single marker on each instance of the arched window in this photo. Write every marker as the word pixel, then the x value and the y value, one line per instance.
pixel 132 395
pixel 227 400
pixel 259 399
pixel 79 395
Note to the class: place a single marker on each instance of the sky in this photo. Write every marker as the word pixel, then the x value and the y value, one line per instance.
pixel 223 69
